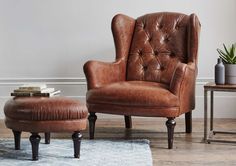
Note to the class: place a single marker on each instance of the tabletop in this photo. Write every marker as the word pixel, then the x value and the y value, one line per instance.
pixel 225 87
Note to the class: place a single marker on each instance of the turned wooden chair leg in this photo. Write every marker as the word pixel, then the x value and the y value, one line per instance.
pixel 47 138
pixel 17 135
pixel 92 119
pixel 77 136
pixel 35 139
pixel 170 123
pixel 188 122
pixel 128 122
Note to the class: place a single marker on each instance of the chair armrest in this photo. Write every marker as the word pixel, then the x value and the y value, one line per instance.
pixel 183 77
pixel 101 73
pixel 183 85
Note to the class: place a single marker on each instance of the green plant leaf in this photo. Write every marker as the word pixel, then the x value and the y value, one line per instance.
pixel 221 52
pixel 223 59
pixel 227 59
pixel 226 50
pixel 224 55
pixel 228 55
pixel 234 59
pixel 231 52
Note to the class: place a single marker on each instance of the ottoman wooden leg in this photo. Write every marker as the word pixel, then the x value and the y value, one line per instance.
pixel 47 138
pixel 77 136
pixel 35 139
pixel 17 135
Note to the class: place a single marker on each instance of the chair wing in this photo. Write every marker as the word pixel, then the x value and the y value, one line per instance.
pixel 101 73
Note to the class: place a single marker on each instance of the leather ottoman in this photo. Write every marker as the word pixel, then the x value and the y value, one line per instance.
pixel 41 114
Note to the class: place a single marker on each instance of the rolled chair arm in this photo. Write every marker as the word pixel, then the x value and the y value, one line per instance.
pixel 101 73
pixel 183 85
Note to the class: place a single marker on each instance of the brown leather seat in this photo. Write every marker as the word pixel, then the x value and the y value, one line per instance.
pixel 42 114
pixel 142 95
pixel 154 72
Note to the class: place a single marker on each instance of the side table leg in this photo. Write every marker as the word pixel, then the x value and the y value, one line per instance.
pixel 205 115
pixel 212 109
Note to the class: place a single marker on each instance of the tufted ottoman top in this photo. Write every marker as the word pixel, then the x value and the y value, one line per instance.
pixel 43 109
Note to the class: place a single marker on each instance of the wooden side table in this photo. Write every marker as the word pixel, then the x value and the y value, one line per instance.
pixel 220 88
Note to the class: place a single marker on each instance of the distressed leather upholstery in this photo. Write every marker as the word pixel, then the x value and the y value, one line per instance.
pixel 40 114
pixel 155 68
pixel 141 97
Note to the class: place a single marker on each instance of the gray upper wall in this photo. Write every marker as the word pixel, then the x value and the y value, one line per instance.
pixel 54 38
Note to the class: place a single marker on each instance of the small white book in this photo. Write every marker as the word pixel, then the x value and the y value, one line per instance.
pixel 45 90
pixel 33 86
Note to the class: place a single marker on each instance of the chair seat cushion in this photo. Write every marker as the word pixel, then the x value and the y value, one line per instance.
pixel 134 93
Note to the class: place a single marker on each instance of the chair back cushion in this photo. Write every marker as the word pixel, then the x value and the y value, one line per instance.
pixel 159 42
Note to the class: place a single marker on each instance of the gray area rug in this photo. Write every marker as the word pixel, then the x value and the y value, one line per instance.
pixel 93 153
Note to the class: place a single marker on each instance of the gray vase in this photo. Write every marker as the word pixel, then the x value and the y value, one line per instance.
pixel 219 72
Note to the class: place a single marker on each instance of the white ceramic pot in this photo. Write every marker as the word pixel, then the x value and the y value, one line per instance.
pixel 230 73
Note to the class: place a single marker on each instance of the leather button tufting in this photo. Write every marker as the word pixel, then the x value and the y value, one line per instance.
pixel 156 52
pixel 140 52
pixel 167 39
pixel 145 68
pixel 172 54
pixel 156 40
pixel 160 26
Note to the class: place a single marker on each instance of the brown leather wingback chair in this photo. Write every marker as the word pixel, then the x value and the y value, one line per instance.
pixel 154 72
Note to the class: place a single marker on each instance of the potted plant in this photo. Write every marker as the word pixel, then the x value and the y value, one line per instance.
pixel 228 57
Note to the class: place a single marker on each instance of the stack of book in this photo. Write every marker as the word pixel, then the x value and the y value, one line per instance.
pixel 35 90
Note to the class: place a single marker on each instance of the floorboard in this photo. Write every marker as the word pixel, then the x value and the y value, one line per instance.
pixel 188 148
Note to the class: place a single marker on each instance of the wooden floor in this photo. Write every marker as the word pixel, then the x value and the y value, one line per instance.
pixel 188 148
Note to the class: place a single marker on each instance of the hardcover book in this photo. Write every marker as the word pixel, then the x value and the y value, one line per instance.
pixel 33 86
pixel 30 94
pixel 21 94
pixel 45 90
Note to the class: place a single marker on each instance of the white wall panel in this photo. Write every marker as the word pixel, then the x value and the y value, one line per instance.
pixel 50 40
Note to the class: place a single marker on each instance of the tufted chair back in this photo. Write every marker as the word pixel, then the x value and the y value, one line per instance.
pixel 160 41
